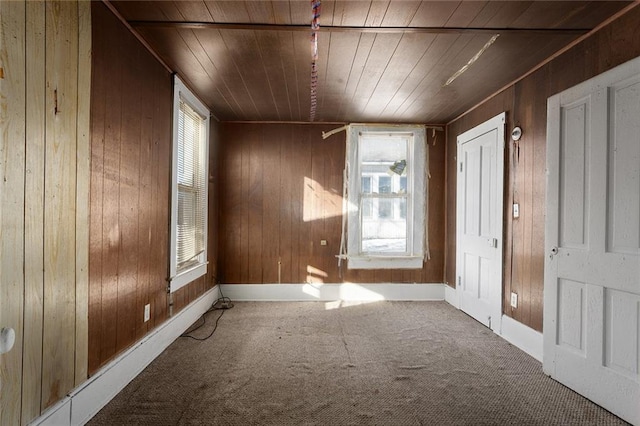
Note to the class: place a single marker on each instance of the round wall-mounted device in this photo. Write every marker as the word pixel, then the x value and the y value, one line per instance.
pixel 7 339
pixel 516 133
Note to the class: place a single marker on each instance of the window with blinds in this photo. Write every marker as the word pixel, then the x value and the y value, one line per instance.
pixel 189 188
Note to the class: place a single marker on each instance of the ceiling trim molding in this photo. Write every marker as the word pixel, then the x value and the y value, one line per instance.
pixel 192 25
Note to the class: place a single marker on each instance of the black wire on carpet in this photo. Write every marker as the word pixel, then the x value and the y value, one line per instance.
pixel 222 304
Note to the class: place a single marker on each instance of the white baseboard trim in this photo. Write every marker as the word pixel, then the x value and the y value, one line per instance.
pixel 332 292
pixel 451 296
pixel 523 337
pixel 85 401
pixel 519 335
pixel 57 414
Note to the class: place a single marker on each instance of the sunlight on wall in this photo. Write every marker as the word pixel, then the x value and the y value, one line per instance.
pixel 315 275
pixel 320 202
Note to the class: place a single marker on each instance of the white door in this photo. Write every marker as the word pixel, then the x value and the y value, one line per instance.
pixel 592 263
pixel 479 221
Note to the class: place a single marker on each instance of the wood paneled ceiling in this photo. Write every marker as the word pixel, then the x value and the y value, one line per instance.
pixel 379 61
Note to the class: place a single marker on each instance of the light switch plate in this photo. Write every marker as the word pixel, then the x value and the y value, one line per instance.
pixel 514 300
pixel 516 210
pixel 147 312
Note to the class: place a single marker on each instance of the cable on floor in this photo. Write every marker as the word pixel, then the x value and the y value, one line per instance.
pixel 221 304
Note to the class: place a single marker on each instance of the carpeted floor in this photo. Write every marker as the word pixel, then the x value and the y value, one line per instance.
pixel 384 363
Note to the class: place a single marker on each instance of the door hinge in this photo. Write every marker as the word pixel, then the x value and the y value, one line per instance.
pixel 459 281
pixel 461 167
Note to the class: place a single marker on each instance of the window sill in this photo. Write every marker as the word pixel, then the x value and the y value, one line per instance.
pixel 185 277
pixel 385 262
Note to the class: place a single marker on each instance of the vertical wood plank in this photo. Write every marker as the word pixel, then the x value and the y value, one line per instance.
pixel 271 203
pixel 162 129
pixel 144 202
pixel 244 211
pixel 296 190
pixel 155 194
pixel 34 211
pixel 112 71
pixel 12 169
pixel 286 204
pixel 214 202
pixel 434 267
pixel 304 182
pixel 230 172
pixel 83 179
pixel 538 209
pixel 255 184
pixel 98 119
pixel 60 201
pixel 128 192
pixel 314 207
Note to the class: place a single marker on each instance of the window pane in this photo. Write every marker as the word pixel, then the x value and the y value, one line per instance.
pixel 402 208
pixel 366 185
pixel 385 207
pixel 384 185
pixel 367 208
pixel 384 228
pixel 403 185
pixel 384 235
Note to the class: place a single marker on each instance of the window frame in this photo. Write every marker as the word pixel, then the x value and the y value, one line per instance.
pixel 180 278
pixel 414 257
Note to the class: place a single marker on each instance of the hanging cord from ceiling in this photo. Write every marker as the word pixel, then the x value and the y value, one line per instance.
pixel 315 26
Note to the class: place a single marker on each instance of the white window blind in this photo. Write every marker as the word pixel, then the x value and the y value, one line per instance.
pixel 189 187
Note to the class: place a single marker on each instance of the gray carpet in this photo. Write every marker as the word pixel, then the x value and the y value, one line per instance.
pixel 384 363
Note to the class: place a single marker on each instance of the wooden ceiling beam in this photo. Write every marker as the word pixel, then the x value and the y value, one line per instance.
pixel 377 30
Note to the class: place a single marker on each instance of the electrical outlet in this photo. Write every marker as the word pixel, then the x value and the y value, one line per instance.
pixel 514 300
pixel 147 312
pixel 323 242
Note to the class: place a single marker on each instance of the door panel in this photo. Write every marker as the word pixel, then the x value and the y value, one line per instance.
pixel 479 239
pixel 574 164
pixel 592 271
pixel 621 336
pixel 623 207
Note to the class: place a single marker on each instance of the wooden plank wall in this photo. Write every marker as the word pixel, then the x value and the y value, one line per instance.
pixel 130 166
pixel 45 61
pixel 525 104
pixel 131 118
pixel 281 193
